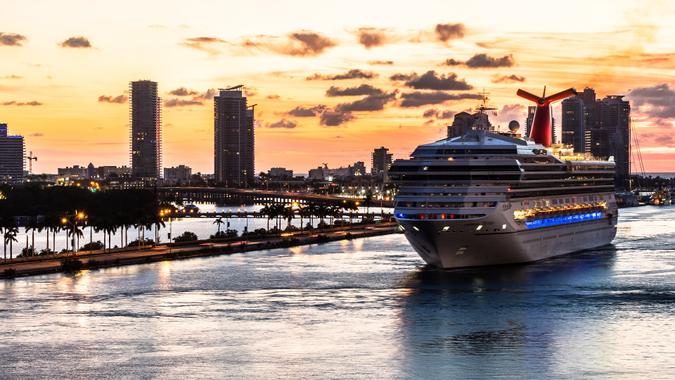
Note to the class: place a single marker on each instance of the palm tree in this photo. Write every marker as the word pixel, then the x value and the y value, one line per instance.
pixel 288 213
pixel 31 226
pixel 266 210
pixel 10 237
pixel 303 211
pixel 219 222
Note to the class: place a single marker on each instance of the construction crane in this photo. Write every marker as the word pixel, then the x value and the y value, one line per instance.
pixel 30 159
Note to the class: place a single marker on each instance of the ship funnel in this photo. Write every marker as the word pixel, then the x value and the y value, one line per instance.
pixel 541 131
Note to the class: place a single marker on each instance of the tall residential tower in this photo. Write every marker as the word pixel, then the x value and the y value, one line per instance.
pixel 12 154
pixel 382 160
pixel 146 130
pixel 234 139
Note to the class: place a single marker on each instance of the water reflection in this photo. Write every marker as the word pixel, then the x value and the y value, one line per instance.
pixel 481 322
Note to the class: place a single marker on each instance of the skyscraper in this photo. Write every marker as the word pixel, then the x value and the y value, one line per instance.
pixel 381 161
pixel 234 139
pixel 613 117
pixel 12 155
pixel 146 130
pixel 574 123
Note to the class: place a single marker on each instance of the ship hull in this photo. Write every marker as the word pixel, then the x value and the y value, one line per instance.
pixel 463 246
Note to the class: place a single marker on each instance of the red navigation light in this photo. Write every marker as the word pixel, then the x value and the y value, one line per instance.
pixel 541 131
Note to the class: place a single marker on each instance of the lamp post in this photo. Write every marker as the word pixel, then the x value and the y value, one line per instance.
pixel 167 213
pixel 71 221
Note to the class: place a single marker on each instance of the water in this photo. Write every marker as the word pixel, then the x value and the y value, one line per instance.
pixel 365 308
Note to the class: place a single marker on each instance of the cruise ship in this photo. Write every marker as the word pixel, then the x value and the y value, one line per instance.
pixel 493 198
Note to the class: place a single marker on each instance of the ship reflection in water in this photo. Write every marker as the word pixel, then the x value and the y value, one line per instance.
pixel 355 309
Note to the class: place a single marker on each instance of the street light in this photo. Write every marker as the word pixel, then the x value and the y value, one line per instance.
pixel 71 222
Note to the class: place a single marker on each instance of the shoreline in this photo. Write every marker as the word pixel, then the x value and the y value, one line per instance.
pixel 175 251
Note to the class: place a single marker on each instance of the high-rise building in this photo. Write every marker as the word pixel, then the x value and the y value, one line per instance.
pixel 234 139
pixel 574 123
pixel 146 130
pixel 12 155
pixel 382 160
pixel 613 121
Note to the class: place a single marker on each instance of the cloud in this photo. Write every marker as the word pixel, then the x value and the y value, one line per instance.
pixel 371 37
pixel 13 76
pixel 299 44
pixel 351 74
pixel 484 60
pixel 182 91
pixel 334 118
pixel 508 78
pixel 418 98
pixel 656 102
pixel 447 32
pixel 206 44
pixel 176 102
pixel 283 124
pixel 369 103
pixel 479 61
pixel 402 77
pixel 32 103
pixel 431 81
pixel 36 134
pixel 438 114
pixel 364 89
pixel 301 111
pixel 273 97
pixel 76 42
pixel 380 62
pixel 11 39
pixel 452 62
pixel 120 99
pixel 510 112
pixel 207 95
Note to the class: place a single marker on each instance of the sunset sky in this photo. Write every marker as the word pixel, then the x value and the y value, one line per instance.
pixel 332 79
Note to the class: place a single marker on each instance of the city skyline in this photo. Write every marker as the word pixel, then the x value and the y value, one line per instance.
pixel 327 90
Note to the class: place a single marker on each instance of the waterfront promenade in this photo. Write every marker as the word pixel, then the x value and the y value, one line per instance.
pixel 35 265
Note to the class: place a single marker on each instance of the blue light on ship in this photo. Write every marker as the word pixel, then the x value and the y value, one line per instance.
pixel 569 219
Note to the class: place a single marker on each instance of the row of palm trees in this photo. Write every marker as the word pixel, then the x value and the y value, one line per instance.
pixel 73 210
pixel 287 212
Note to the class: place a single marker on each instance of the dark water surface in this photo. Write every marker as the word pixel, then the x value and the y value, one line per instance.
pixel 355 309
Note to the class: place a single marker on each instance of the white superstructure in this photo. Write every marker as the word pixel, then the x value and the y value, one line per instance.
pixel 489 198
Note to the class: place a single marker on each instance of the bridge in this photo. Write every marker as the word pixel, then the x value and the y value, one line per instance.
pixel 232 196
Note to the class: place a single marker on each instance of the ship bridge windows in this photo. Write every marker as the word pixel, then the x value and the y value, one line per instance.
pixel 396 168
pixel 425 204
pixel 463 151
